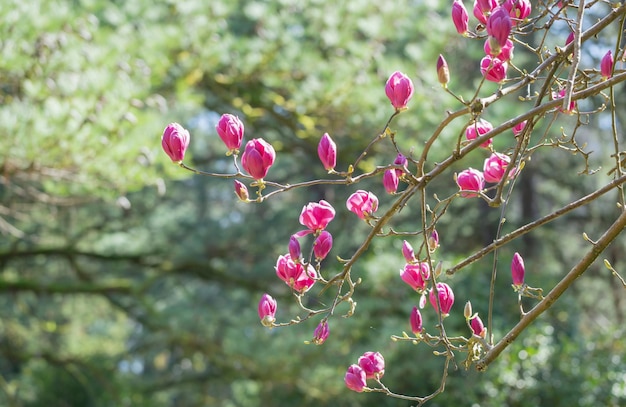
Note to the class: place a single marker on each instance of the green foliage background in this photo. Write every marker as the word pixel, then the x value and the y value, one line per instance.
pixel 125 281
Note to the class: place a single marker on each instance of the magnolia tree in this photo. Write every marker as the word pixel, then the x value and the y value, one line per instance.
pixel 554 89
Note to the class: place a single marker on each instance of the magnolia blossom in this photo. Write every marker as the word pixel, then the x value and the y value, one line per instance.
pixel 495 167
pixel 267 310
pixel 478 328
pixel 373 364
pixel 493 69
pixel 355 378
pixel 327 152
pixel 460 18
pixel 408 253
pixel 446 298
pixel 399 90
pixel 390 181
pixel 478 128
pixel 560 95
pixel 362 203
pixel 322 245
pixel 482 9
pixel 416 275
pixel 518 9
pixel 321 333
pixel 517 270
pixel 606 65
pixel 257 158
pixel 316 216
pixel 416 321
pixel 294 248
pixel 241 191
pixel 470 180
pixel 499 25
pixel 230 129
pixel 519 128
pixel 175 140
pixel 503 52
pixel 294 274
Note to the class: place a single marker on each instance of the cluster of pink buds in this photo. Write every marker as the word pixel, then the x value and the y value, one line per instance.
pixel 371 365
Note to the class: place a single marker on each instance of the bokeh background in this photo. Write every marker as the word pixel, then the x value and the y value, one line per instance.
pixel 127 281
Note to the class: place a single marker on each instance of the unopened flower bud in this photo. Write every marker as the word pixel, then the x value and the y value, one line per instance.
pixel 241 191
pixel 230 129
pixel 257 158
pixel 390 181
pixel 294 249
pixel 416 321
pixel 175 140
pixel 355 378
pixel 443 73
pixel 467 311
pixel 519 128
pixel 322 245
pixel 267 310
pixel 478 328
pixel 460 18
pixel 399 90
pixel 446 298
pixel 408 253
pixel 606 66
pixel 499 25
pixel 470 180
pixel 433 241
pixel 327 152
pixel 321 333
pixel 517 270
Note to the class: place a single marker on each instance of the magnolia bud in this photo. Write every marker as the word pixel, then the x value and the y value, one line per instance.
pixel 241 191
pixel 467 311
pixel 443 73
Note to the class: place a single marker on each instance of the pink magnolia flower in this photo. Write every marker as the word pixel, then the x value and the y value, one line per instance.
pixel 399 90
pixel 241 191
pixel 175 140
pixel 408 253
pixel 460 18
pixel 373 364
pixel 416 321
pixel 503 53
pixel 416 275
pixel 518 9
pixel 606 65
pixel 443 73
pixel 257 158
pixel 470 180
pixel 446 298
pixel 478 128
pixel 478 328
pixel 519 128
pixel 517 270
pixel 493 69
pixel 327 152
pixel 316 216
pixel 495 167
pixel 390 181
pixel 560 95
pixel 294 274
pixel 355 378
pixel 322 245
pixel 321 333
pixel 482 9
pixel 362 203
pixel 230 129
pixel 267 310
pixel 499 25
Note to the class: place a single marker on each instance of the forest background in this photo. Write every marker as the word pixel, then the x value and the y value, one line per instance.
pixel 127 281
